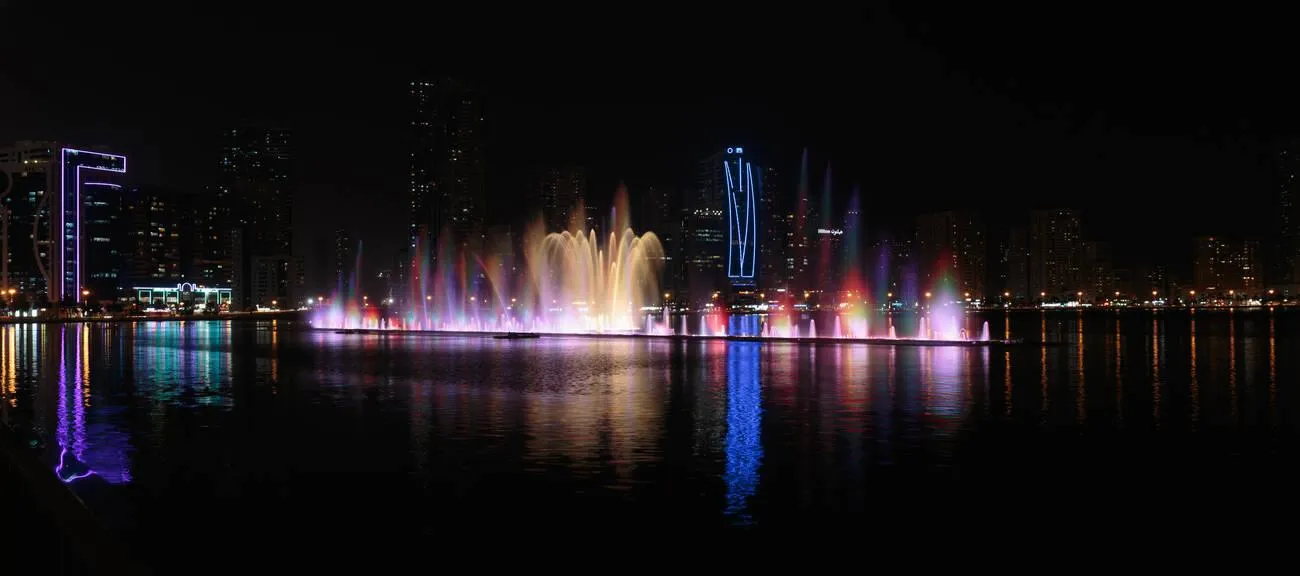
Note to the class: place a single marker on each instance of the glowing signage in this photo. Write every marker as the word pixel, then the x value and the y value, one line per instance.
pixel 830 231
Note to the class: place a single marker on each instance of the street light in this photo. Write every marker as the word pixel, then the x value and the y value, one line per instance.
pixel 428 297
pixel 927 294
pixel 275 302
pixel 85 293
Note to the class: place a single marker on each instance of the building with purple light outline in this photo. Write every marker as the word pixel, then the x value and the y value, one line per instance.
pixel 65 274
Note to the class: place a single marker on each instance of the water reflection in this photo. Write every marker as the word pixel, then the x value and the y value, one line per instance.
pixel 712 433
pixel 744 410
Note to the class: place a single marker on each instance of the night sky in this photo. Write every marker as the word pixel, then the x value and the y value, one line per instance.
pixel 1159 124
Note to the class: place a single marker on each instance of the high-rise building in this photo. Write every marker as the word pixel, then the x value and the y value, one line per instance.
pixel 741 201
pixel 1211 260
pixel 205 238
pixel 254 175
pixel 1055 253
pixel 277 281
pixel 1012 255
pixel 659 214
pixel 1286 256
pixel 952 245
pixel 561 190
pixel 343 256
pixel 70 197
pixel 1098 271
pixel 27 173
pixel 105 241
pixel 718 231
pixel 1221 265
pixel 447 170
pixel 153 222
pixel 773 240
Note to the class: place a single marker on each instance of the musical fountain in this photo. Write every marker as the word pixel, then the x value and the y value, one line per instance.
pixel 576 282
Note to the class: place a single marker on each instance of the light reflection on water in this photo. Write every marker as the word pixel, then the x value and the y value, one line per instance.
pixel 228 418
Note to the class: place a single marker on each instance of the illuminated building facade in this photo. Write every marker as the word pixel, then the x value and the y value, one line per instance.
pixel 78 169
pixel 742 218
pixel 721 234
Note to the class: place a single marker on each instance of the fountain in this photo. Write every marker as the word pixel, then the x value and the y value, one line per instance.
pixel 576 281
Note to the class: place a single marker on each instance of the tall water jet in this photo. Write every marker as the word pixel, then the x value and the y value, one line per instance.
pixel 923 331
pixel 892 333
pixel 684 332
pixel 812 328
pixel 835 330
pixel 984 332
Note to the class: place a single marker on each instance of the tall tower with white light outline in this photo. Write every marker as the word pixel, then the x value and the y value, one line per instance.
pixel 742 217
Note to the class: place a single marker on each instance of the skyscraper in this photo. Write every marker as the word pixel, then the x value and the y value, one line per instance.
pixel 254 175
pixel 447 170
pixel 953 245
pixel 1098 271
pixel 1055 253
pixel 153 224
pixel 773 229
pixel 1286 256
pixel 29 169
pixel 69 200
pixel 561 190
pixel 723 223
pixel 1221 265
pixel 343 258
pixel 205 238
pixel 741 200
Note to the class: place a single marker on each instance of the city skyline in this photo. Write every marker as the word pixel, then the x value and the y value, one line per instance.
pixel 932 126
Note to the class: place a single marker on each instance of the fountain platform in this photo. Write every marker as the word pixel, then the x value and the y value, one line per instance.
pixel 502 335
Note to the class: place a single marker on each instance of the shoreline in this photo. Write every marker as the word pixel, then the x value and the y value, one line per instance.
pixel 499 335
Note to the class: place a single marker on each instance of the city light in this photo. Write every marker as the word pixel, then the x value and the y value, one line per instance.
pixel 927 294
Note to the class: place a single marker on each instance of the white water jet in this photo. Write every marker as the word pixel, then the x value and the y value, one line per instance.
pixel 835 330
pixel 812 328
pixel 892 334
pixel 923 332
pixel 684 331
pixel 984 332
pixel 704 327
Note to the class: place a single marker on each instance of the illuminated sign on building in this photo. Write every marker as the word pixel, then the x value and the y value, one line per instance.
pixel 742 220
pixel 830 231
pixel 735 150
pixel 66 265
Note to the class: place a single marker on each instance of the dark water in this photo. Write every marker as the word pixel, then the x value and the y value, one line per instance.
pixel 250 434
